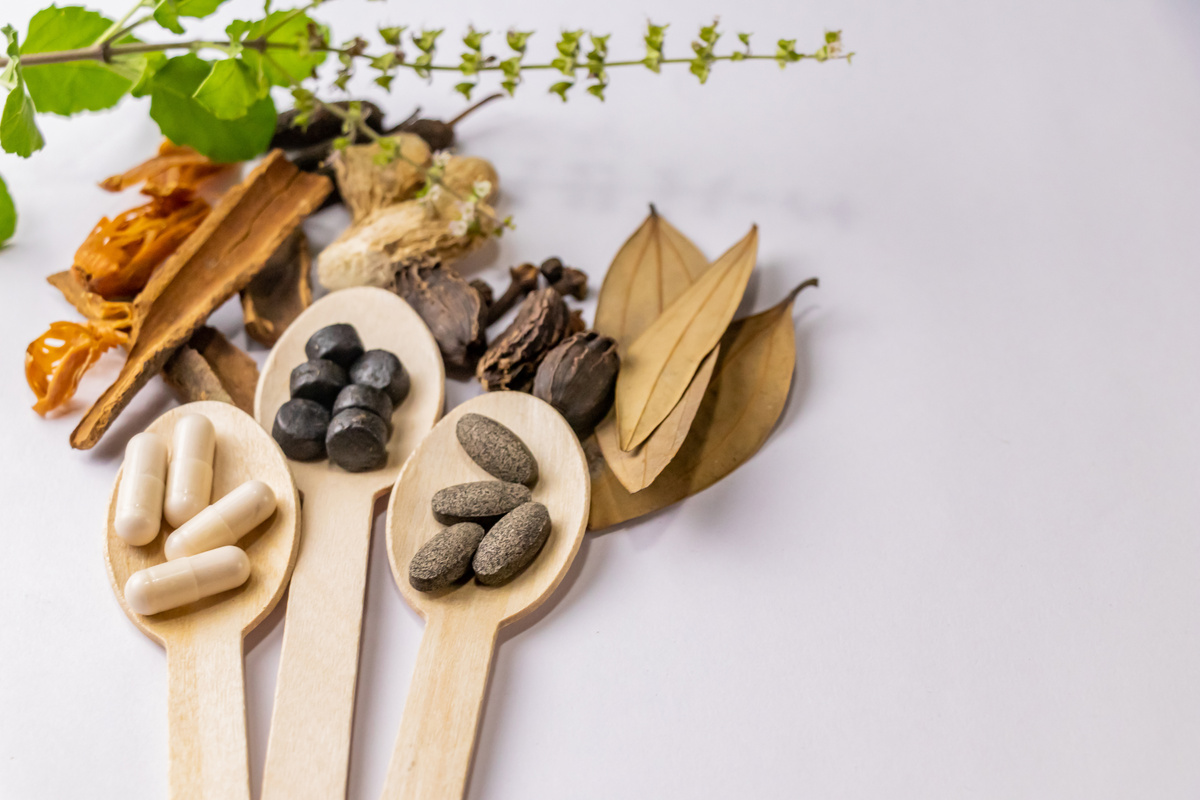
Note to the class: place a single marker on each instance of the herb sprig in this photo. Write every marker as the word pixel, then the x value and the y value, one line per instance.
pixel 214 95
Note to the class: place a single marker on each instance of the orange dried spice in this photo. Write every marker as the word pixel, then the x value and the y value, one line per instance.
pixel 56 360
pixel 116 260
pixel 119 255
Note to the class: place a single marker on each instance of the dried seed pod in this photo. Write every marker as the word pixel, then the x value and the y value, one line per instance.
pixel 451 308
pixel 576 324
pixel 484 290
pixel 512 360
pixel 578 378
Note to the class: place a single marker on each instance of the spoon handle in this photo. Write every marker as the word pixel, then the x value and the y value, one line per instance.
pixel 206 718
pixel 308 748
pixel 437 732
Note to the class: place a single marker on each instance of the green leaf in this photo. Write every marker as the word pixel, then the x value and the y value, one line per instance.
pixel 168 12
pixel 474 39
pixel 560 89
pixel 597 90
pixel 392 35
pixel 77 85
pixel 230 89
pixel 518 39
pixel 293 60
pixel 509 86
pixel 427 40
pixel 8 214
pixel 464 88
pixel 19 133
pixel 183 120
pixel 744 38
pixel 151 63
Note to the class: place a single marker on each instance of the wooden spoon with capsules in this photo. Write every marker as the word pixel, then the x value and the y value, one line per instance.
pixel 437 733
pixel 206 696
pixel 308 748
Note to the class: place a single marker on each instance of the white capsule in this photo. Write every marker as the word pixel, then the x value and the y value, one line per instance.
pixel 186 580
pixel 224 522
pixel 140 497
pixel 190 473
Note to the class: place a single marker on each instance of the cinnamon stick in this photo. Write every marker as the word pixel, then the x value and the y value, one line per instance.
pixel 230 247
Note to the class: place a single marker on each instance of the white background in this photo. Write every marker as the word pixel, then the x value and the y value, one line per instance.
pixel 965 564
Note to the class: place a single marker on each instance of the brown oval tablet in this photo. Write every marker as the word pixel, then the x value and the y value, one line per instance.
pixel 446 558
pixel 511 544
pixel 497 449
pixel 482 501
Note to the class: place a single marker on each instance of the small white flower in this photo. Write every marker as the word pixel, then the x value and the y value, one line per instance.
pixel 482 188
pixel 435 193
pixel 466 210
pixel 441 158
pixel 458 227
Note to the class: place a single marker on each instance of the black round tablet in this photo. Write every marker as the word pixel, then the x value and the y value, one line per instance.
pixel 299 428
pixel 318 380
pixel 337 343
pixel 357 440
pixel 381 370
pixel 368 398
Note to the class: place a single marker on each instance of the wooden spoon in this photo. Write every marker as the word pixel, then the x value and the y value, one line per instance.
pixel 206 697
pixel 308 748
pixel 437 733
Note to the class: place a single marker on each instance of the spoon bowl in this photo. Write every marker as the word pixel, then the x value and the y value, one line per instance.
pixel 308 748
pixel 437 733
pixel 203 640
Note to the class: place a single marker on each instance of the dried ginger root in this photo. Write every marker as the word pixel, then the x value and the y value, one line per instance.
pixel 367 186
pixel 56 360
pixel 413 231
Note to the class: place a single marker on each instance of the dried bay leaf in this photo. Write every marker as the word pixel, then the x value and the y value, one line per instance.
pixel 654 266
pixel 659 365
pixel 637 468
pixel 744 399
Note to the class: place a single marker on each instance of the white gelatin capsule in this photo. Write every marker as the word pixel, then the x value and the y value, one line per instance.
pixel 186 580
pixel 190 473
pixel 140 497
pixel 224 522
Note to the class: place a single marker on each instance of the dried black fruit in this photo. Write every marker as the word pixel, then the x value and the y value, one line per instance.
pixel 480 501
pixel 497 449
pixel 318 380
pixel 357 440
pixel 511 544
pixel 381 370
pixel 368 398
pixel 552 268
pixel 512 360
pixel 578 378
pixel 453 310
pixel 299 429
pixel 322 125
pixel 446 558
pixel 570 282
pixel 337 343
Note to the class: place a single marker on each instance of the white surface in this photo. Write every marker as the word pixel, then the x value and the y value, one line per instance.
pixel 966 563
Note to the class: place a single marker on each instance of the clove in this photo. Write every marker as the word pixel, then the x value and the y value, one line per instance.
pixel 524 281
pixel 571 283
pixel 552 268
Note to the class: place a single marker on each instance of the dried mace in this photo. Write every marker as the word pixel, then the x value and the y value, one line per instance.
pixel 512 360
pixel 452 309
pixel 577 378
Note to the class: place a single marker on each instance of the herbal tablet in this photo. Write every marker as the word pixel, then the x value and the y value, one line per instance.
pixel 186 580
pixel 224 522
pixel 190 473
pixel 138 515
